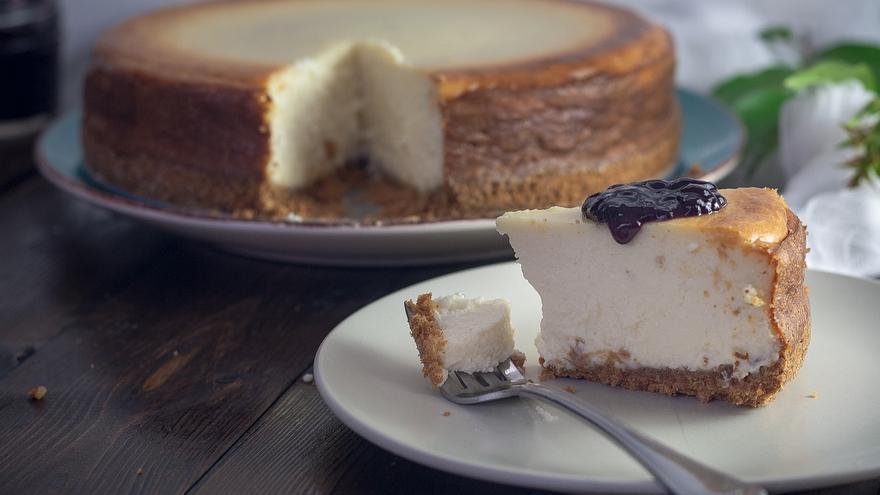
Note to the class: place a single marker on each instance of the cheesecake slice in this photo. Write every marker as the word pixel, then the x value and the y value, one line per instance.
pixel 454 333
pixel 712 305
pixel 465 106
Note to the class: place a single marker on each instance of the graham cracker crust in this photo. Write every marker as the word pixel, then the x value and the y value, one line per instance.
pixel 755 389
pixel 428 337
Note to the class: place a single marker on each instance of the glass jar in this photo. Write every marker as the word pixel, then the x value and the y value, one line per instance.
pixel 29 40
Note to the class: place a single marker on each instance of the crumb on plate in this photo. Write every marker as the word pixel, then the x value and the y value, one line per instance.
pixel 570 389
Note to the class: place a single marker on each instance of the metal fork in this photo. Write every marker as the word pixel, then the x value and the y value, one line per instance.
pixel 678 473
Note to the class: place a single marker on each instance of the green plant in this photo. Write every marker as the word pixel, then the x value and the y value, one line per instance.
pixel 758 97
pixel 863 132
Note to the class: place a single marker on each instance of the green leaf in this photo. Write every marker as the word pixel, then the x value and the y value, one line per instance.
pixel 759 111
pixel 776 33
pixel 863 133
pixel 830 71
pixel 757 98
pixel 854 53
pixel 731 90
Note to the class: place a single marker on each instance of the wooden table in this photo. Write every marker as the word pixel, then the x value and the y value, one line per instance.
pixel 172 368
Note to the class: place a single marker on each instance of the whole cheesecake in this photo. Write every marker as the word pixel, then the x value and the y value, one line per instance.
pixel 461 107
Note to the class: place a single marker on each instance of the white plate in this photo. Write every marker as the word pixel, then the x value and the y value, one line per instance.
pixel 711 137
pixel 368 373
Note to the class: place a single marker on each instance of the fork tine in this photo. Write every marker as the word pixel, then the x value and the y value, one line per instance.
pixel 470 383
pixel 407 310
pixel 452 385
pixel 492 379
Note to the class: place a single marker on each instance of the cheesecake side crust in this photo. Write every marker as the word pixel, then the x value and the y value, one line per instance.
pixel 175 141
pixel 534 146
pixel 790 302
pixel 428 337
pixel 523 135
pixel 789 317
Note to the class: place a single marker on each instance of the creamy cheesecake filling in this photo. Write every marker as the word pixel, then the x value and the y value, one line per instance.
pixel 673 297
pixel 477 331
pixel 352 100
pixel 402 125
pixel 314 124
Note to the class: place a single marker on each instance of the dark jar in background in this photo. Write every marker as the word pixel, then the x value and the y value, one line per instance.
pixel 29 41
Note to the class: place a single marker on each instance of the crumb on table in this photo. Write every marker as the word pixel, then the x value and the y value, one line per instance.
pixel 38 392
pixel 570 389
pixel 446 413
pixel 140 472
pixel 308 378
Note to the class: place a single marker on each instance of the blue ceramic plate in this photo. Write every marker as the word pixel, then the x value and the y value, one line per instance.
pixel 711 139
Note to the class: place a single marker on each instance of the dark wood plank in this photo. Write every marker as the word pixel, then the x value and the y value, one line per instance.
pixel 16 162
pixel 300 447
pixel 165 376
pixel 56 254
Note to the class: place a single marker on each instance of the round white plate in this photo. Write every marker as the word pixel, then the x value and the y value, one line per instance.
pixel 368 373
pixel 711 137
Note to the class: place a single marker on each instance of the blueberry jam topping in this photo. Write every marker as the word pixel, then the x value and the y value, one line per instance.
pixel 625 207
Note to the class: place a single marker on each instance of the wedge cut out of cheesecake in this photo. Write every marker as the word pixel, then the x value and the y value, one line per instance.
pixel 487 105
pixel 455 333
pixel 712 305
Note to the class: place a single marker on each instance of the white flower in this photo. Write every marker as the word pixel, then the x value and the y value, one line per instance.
pixel 811 124
pixel 843 230
pixel 821 173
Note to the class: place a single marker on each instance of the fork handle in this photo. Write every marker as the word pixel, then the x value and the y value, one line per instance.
pixel 678 473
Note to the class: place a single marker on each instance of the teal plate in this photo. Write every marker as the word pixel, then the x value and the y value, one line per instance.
pixel 712 138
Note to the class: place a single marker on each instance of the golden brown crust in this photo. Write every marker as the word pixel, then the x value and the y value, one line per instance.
pixel 790 302
pixel 754 217
pixel 188 144
pixel 141 43
pixel 541 132
pixel 428 337
pixel 789 317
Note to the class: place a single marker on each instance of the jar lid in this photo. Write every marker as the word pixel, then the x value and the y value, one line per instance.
pixel 27 24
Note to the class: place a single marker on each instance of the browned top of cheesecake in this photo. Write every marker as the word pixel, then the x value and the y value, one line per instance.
pixel 755 216
pixel 242 43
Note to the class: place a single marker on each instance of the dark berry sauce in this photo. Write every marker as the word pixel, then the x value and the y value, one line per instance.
pixel 625 207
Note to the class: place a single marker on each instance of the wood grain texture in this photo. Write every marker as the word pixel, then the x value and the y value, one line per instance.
pixel 57 254
pixel 300 447
pixel 169 369
pixel 15 162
